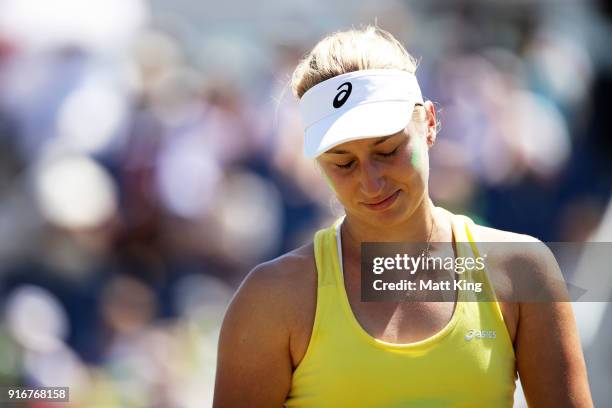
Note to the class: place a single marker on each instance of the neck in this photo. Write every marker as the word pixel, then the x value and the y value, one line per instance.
pixel 422 226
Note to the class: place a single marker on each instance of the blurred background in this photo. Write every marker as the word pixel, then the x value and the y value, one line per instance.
pixel 151 155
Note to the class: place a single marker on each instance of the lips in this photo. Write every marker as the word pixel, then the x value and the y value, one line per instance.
pixel 384 203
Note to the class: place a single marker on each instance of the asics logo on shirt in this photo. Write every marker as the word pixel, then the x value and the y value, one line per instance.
pixel 480 334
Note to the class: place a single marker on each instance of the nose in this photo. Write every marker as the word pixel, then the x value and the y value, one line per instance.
pixel 372 180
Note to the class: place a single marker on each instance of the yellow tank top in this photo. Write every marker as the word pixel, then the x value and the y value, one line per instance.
pixel 344 366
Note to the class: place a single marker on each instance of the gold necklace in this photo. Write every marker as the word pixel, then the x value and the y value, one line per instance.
pixel 425 253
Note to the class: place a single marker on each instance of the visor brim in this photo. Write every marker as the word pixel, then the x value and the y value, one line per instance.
pixel 368 120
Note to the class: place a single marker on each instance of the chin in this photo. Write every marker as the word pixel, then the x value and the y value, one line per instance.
pixel 388 218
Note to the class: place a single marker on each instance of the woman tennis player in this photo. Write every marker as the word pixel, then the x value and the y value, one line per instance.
pixel 297 333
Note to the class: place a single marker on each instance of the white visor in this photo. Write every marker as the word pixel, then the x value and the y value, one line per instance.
pixel 357 105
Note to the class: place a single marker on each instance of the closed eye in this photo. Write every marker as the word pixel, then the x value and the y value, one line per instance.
pixel 346 165
pixel 391 153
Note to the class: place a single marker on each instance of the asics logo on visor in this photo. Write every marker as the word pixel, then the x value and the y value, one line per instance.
pixel 343 95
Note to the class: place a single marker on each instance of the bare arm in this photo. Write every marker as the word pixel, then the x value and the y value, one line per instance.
pixel 254 365
pixel 549 356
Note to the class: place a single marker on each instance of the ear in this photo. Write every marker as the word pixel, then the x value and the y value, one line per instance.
pixel 431 123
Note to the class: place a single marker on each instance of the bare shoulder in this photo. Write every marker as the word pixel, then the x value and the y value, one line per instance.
pixel 488 234
pixel 508 245
pixel 520 264
pixel 277 291
pixel 283 275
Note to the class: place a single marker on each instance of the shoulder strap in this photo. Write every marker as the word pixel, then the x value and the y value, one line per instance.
pixel 326 256
pixel 488 292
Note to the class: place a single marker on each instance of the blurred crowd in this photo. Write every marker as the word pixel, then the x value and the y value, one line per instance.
pixel 151 155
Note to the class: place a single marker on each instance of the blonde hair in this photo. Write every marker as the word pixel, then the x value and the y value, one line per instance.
pixel 346 51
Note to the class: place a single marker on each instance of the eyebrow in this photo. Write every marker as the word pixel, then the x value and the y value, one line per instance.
pixel 379 141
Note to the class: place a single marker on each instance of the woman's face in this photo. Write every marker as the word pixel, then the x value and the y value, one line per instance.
pixel 382 180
